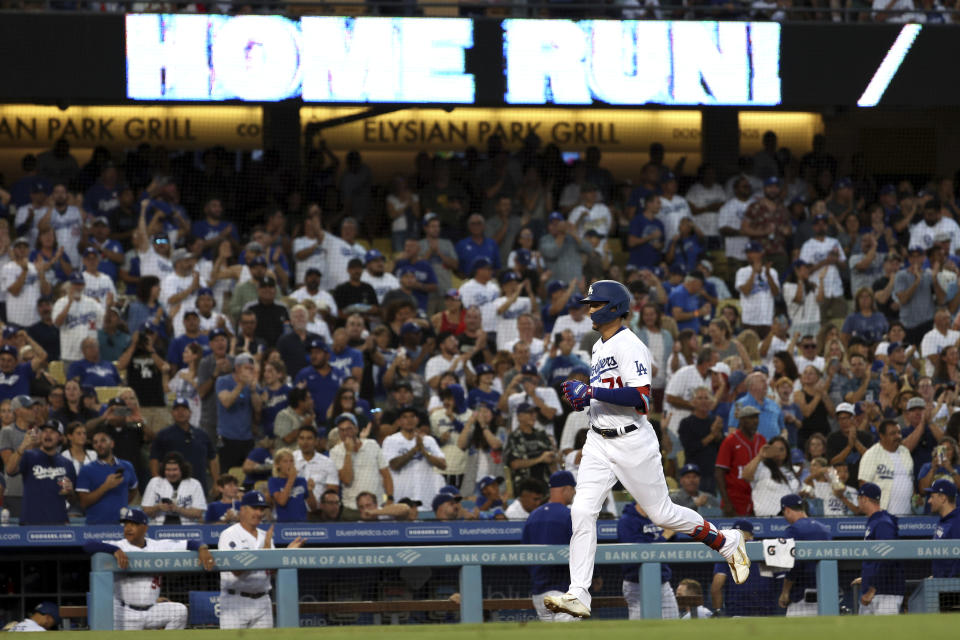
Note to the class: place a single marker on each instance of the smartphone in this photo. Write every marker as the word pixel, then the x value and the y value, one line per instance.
pixel 166 500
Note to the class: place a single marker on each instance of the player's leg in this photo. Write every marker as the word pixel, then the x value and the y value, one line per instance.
pixel 669 610
pixel 595 478
pixel 262 610
pixel 868 609
pixel 631 593
pixel 167 615
pixel 639 468
pixel 888 605
pixel 233 615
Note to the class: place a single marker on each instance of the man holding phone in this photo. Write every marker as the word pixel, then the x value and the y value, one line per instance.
pixel 106 485
pixel 11 438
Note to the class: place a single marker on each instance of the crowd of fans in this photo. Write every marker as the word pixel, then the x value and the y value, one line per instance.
pixel 166 345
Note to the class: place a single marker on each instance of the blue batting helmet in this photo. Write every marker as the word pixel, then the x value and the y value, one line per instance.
pixel 614 294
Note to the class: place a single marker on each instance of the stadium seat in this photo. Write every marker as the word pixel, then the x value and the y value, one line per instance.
pixel 106 394
pixel 204 609
pixel 58 371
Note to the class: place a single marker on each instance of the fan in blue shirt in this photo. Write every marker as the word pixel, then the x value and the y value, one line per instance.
pixel 551 524
pixel 646 239
pixel 106 485
pixel 476 245
pixel 48 477
pixel 943 502
pixel 802 578
pixel 686 247
pixel 258 466
pixel 686 304
pixel 319 377
pixel 426 276
pixel 212 229
pixel 100 373
pixel 292 495
pixel 15 378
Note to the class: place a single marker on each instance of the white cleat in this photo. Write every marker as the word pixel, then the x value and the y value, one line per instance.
pixel 567 603
pixel 739 561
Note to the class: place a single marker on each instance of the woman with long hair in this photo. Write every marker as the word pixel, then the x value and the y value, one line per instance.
pixel 723 343
pixel 274 395
pixel 660 343
pixel 49 249
pixel 771 477
pixel 73 409
pixel 76 450
pixel 887 398
pixel 481 440
pixel 345 401
pixel 147 305
pixel 784 366
pixel 948 366
pixel 292 495
pixel 865 322
pixel 184 384
pixel 827 333
pixel 815 405
pixel 803 298
pixel 684 351
pixel 525 255
pixel 942 466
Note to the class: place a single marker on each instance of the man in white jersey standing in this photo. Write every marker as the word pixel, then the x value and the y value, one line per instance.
pixel 136 596
pixel 622 445
pixel 245 595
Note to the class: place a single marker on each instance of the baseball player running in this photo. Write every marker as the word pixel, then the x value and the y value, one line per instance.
pixel 135 604
pixel 245 595
pixel 622 445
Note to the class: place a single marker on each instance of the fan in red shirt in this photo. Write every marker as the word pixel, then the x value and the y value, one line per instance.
pixel 736 450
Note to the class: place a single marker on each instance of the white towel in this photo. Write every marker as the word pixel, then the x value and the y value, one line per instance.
pixel 779 553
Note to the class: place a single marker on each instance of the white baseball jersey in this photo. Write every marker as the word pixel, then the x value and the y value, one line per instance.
pixel 27 625
pixel 188 494
pixel 233 538
pixel 138 589
pixel 381 284
pixel 99 286
pixel 319 468
pixel 621 361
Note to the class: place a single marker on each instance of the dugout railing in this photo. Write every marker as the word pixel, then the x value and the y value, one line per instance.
pixel 471 561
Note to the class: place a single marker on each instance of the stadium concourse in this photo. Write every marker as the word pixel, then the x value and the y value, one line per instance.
pixel 181 334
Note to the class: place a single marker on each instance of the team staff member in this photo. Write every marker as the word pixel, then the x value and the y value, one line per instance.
pixel 799 592
pixel 635 526
pixel 136 596
pixel 881 583
pixel 943 502
pixel 45 617
pixel 622 445
pixel 550 524
pixel 245 595
pixel 758 597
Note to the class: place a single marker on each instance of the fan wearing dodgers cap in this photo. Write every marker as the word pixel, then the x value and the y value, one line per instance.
pixel 551 523
pixel 24 282
pixel 635 527
pixel 757 597
pixel 374 274
pixel 44 617
pixel 798 593
pixel 48 477
pixel 824 252
pixel 78 316
pixel 15 376
pixel 516 299
pixel 477 245
pixel 942 496
pixel 136 596
pixel 100 286
pixel 881 582
pixel 481 291
pixel 426 278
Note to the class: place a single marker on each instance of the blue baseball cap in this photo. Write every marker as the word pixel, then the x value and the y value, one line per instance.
pixel 10 330
pixel 689 468
pixel 869 490
pixel 204 291
pixel 796 456
pixel 555 216
pixel 217 333
pixel 843 183
pixel 483 368
pixel 77 278
pixel 404 270
pixel 346 416
pixel 486 481
pixel 893 346
pixel 134 515
pixel 509 276
pixel 450 490
pixel 736 378
pixel 258 261
pixel 562 479
pixel 667 176
pixel 90 251
pixel 316 343
pixel 887 189
pixel 480 262
pixel 754 247
pixel 525 407
pixel 678 269
pixel 944 487
pixel 9 348
pixel 529 370
pixel 442 499
pixel 181 402
pixel 49 609
pixel 743 525
pixel 772 180
pixel 791 501
pixel 522 256
pixel 555 285
pixel 821 218
pixel 409 327
pixel 253 499
pixel 371 255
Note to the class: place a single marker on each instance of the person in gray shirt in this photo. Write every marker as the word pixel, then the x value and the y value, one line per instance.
pixel 689 494
pixel 11 437
pixel 915 288
pixel 562 249
pixel 441 255
pixel 212 366
pixel 866 266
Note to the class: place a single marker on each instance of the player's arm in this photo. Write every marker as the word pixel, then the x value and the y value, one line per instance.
pixel 716 590
pixel 635 391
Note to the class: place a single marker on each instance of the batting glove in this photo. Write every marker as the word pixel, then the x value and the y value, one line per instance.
pixel 577 394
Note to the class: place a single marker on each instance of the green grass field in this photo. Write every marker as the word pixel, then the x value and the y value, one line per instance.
pixel 844 627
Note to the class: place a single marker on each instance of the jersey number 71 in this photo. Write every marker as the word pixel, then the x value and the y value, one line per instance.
pixel 612 382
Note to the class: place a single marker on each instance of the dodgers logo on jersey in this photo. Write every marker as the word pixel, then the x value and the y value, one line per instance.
pixel 603 364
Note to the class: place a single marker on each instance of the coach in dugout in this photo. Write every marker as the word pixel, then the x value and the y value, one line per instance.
pixel 882 583
pixel 799 593
pixel 943 502
pixel 44 617
pixel 136 596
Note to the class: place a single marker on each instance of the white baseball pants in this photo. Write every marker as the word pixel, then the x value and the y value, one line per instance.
pixel 163 615
pixel 882 605
pixel 668 601
pixel 237 612
pixel 545 614
pixel 634 459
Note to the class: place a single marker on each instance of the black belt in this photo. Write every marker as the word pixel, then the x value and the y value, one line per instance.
pixel 614 433
pixel 252 596
pixel 135 607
